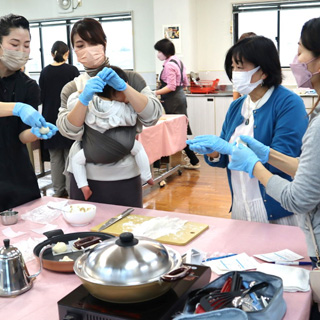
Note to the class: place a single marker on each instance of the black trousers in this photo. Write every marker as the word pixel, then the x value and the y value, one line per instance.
pixel 191 155
pixel 123 192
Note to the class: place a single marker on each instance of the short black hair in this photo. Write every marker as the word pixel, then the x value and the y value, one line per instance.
pixel 260 51
pixel 166 47
pixel 59 48
pixel 310 36
pixel 108 92
pixel 12 21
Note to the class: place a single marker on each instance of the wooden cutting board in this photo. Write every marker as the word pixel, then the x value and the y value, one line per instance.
pixel 189 231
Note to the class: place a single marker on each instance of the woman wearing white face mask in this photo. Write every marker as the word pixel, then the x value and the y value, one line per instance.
pixel 302 195
pixel 118 182
pixel 20 97
pixel 268 112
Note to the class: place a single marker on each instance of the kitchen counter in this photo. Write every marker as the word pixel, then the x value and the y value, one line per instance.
pixel 230 94
pixel 218 94
pixel 223 235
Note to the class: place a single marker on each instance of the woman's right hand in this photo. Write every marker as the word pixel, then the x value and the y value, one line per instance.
pixel 207 144
pixel 29 115
pixel 93 85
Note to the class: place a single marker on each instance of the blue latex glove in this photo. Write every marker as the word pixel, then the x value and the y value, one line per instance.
pixel 28 115
pixel 49 135
pixel 243 159
pixel 207 144
pixel 261 150
pixel 93 85
pixel 112 79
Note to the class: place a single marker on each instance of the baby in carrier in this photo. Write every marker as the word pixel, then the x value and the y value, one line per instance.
pixel 110 134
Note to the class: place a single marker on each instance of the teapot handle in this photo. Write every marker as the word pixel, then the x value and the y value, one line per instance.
pixel 40 260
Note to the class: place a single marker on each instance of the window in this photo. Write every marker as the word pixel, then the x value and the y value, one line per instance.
pixel 118 29
pixel 278 21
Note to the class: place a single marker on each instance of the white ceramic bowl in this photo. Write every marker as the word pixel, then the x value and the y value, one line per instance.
pixel 79 214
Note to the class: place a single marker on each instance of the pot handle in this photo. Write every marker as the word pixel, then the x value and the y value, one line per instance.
pixel 176 274
pixel 40 260
pixel 53 233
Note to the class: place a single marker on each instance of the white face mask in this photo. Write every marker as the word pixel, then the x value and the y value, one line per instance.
pixel 12 59
pixel 242 81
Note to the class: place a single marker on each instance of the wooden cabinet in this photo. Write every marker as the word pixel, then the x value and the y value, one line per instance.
pixel 201 115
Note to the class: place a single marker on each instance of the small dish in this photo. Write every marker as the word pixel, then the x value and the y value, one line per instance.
pixel 9 217
pixel 79 214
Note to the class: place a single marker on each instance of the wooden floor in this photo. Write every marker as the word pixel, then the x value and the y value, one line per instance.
pixel 204 191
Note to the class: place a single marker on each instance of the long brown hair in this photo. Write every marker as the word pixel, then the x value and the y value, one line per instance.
pixel 89 30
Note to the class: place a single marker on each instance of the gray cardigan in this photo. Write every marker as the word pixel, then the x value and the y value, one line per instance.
pixel 302 195
pixel 125 168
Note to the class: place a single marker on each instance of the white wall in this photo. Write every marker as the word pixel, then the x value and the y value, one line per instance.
pixel 206 28
pixel 142 20
pixel 178 12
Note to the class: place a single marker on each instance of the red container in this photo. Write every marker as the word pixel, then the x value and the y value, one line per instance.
pixel 204 86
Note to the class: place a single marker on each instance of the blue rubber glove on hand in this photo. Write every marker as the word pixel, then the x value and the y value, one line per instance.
pixel 112 79
pixel 261 150
pixel 207 144
pixel 243 159
pixel 93 85
pixel 28 115
pixel 49 135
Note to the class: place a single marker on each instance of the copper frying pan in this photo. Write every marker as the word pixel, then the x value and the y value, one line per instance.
pixel 50 261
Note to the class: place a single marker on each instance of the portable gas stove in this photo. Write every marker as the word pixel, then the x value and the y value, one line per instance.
pixel 81 305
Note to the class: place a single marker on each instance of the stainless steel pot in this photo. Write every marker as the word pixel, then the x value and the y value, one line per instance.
pixel 15 278
pixel 129 269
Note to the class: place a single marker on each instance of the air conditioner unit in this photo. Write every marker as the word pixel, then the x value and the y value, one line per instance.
pixel 65 6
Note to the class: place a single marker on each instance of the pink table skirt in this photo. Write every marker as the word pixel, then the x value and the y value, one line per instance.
pixel 223 235
pixel 166 138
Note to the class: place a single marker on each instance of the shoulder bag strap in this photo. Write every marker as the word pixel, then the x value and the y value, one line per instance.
pixel 181 70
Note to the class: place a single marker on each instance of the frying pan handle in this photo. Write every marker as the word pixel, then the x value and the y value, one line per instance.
pixel 53 233
pixel 176 274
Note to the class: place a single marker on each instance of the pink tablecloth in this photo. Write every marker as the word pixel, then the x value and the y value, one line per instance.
pixel 166 138
pixel 223 235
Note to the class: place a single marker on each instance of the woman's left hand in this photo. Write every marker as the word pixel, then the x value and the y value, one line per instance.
pixel 45 136
pixel 207 144
pixel 112 79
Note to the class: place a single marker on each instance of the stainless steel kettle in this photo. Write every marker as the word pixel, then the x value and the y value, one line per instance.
pixel 14 275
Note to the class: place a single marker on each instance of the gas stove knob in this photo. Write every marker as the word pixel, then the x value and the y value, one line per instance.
pixel 72 316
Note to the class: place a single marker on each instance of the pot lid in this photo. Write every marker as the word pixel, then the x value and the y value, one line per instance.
pixel 126 260
pixel 8 252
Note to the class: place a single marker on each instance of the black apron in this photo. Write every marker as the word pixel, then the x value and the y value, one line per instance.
pixel 18 182
pixel 175 102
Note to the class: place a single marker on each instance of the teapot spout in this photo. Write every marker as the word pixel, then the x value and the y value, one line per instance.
pixel 32 277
